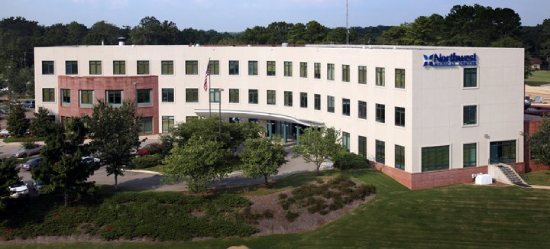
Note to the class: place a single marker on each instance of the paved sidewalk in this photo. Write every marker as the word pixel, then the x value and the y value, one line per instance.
pixel 540 187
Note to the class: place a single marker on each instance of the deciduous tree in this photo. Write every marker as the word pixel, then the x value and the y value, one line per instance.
pixel 319 144
pixel 8 177
pixel 540 142
pixel 261 157
pixel 17 122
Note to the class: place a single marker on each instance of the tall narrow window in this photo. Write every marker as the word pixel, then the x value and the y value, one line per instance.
pixel 345 140
pixel 399 157
pixel 470 77
pixel 303 69
pixel 469 158
pixel 191 67
pixel 167 67
pixel 362 75
pixel 317 100
pixel 191 95
pixel 330 104
pixel 253 96
pixel 252 67
pixel 362 144
pixel 48 95
pixel 271 68
pixel 400 116
pixel 47 67
pixel 362 109
pixel 317 70
pixel 95 67
pixel 119 67
pixel 345 73
pixel 288 68
pixel 71 67
pixel 399 78
pixel 215 95
pixel 470 114
pixel 288 98
pixel 214 67
pixel 146 125
pixel 271 97
pixel 142 67
pixel 233 67
pixel 233 95
pixel 167 123
pixel 167 94
pixel 380 152
pixel 65 96
pixel 330 71
pixel 435 158
pixel 380 76
pixel 144 97
pixel 303 100
pixel 380 113
pixel 345 107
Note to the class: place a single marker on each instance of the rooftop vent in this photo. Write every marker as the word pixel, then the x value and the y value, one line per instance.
pixel 121 40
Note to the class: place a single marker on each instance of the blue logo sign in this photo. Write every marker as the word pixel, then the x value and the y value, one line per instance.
pixel 439 60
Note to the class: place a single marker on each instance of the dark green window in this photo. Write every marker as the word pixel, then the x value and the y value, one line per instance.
pixel 167 67
pixel 192 95
pixel 71 67
pixel 362 75
pixel 317 70
pixel 95 67
pixel 253 96
pixel 380 152
pixel 303 69
pixel 233 95
pixel 167 94
pixel 399 157
pixel 288 98
pixel 345 107
pixel 362 109
pixel 435 158
pixel 330 104
pixel 399 78
pixel 469 155
pixel 380 113
pixel 48 95
pixel 470 77
pixel 233 67
pixel 303 100
pixel 144 96
pixel 400 116
pixel 288 68
pixel 470 114
pixel 317 101
pixel 114 97
pixel 271 97
pixel 167 123
pixel 214 67
pixel 215 95
pixel 252 67
pixel 345 73
pixel 330 71
pixel 271 68
pixel 65 96
pixel 345 140
pixel 119 67
pixel 191 67
pixel 380 76
pixel 362 143
pixel 142 67
pixel 47 67
pixel 146 125
pixel 503 152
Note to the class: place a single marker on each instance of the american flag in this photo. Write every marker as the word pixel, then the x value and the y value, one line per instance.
pixel 206 76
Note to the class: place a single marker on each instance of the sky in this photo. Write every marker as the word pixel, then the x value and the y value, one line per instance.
pixel 237 15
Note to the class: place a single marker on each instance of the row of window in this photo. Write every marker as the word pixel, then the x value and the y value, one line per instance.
pixel 85 97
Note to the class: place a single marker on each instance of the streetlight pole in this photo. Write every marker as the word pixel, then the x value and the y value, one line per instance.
pixel 220 110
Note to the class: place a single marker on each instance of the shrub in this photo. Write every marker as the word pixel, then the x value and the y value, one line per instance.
pixel 350 161
pixel 291 216
pixel 146 161
pixel 154 148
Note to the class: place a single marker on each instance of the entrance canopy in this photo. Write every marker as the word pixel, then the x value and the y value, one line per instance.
pixel 257 115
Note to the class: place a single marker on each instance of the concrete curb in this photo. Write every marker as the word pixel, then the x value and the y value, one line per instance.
pixel 144 171
pixel 540 187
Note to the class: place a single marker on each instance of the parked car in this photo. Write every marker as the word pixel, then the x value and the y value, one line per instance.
pixel 4 133
pixel 27 152
pixel 31 163
pixel 29 103
pixel 18 189
pixel 90 159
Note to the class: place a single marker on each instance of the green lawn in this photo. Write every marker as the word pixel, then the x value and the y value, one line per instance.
pixel 461 216
pixel 538 178
pixel 538 78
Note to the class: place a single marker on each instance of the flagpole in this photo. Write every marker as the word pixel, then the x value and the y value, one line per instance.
pixel 209 89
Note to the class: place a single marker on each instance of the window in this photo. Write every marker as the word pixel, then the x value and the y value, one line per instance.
pixel 503 152
pixel 214 67
pixel 65 96
pixel 119 67
pixel 400 116
pixel 435 158
pixel 215 96
pixel 399 78
pixel 380 76
pixel 270 68
pixel 380 113
pixel 399 157
pixel 86 98
pixel 233 67
pixel 146 125
pixel 144 96
pixel 48 95
pixel 271 97
pixel 470 77
pixel 142 67
pixel 303 69
pixel 288 98
pixel 317 101
pixel 167 67
pixel 167 94
pixel 469 155
pixel 362 75
pixel 330 71
pixel 330 104
pixel 362 144
pixel 470 114
pixel 345 73
pixel 95 67
pixel 191 67
pixel 114 97
pixel 252 96
pixel 303 100
pixel 71 67
pixel 252 67
pixel 47 67
pixel 288 68
pixel 345 140
pixel 233 95
pixel 167 123
pixel 362 109
pixel 380 151
pixel 191 95
pixel 345 107
pixel 317 70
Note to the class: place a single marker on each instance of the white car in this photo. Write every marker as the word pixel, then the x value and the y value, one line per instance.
pixel 18 189
pixel 4 133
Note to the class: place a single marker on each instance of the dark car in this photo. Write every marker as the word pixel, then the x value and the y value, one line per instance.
pixel 31 163
pixel 29 104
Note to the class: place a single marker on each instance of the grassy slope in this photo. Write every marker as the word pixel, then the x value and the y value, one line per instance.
pixel 538 178
pixel 538 78
pixel 459 216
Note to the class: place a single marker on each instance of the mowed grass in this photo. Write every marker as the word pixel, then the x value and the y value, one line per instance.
pixel 460 216
pixel 538 178
pixel 540 77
